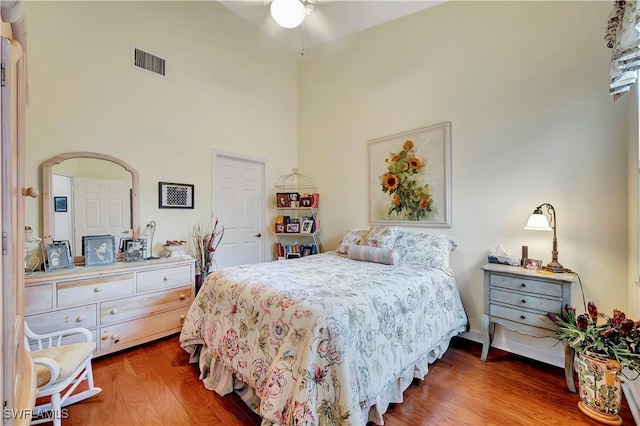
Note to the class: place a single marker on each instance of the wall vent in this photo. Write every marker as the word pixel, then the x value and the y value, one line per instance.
pixel 149 62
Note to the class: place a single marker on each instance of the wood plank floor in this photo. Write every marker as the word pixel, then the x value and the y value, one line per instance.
pixel 154 384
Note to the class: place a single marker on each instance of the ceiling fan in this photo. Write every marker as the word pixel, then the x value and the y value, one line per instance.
pixel 290 13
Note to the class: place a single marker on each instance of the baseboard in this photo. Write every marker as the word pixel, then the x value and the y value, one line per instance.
pixel 519 349
pixel 633 399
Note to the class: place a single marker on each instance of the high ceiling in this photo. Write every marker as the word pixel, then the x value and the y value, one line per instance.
pixel 329 19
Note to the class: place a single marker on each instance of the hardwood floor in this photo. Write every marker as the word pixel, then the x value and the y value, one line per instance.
pixel 154 384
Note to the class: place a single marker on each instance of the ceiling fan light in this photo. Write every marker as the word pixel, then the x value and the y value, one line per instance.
pixel 288 13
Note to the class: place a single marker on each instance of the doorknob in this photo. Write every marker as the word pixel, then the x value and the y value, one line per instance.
pixel 258 235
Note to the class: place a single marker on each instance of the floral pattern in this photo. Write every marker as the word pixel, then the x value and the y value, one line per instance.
pixel 319 338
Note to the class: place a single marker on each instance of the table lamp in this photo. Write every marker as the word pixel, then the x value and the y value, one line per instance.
pixel 538 222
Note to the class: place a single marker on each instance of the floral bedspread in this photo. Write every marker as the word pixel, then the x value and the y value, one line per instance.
pixel 319 337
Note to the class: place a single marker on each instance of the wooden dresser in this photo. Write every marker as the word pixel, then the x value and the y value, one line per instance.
pixel 123 305
pixel 519 300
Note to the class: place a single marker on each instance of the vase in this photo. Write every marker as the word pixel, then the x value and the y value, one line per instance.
pixel 600 388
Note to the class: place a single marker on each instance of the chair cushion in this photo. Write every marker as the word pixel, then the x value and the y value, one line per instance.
pixel 69 357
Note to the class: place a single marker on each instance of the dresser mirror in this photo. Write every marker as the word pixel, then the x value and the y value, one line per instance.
pixel 85 194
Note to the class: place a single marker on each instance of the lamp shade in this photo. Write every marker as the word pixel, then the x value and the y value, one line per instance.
pixel 288 13
pixel 30 237
pixel 538 222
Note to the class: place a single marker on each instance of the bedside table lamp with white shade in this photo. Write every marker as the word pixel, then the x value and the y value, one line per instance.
pixel 539 222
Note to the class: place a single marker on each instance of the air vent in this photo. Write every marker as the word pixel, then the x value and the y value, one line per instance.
pixel 149 62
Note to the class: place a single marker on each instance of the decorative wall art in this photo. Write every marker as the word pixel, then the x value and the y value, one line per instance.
pixel 410 178
pixel 60 204
pixel 99 250
pixel 175 195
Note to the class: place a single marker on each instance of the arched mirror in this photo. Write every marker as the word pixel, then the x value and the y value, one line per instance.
pixel 86 193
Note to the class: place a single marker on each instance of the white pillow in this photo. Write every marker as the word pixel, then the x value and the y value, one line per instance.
pixel 374 254
pixel 380 236
pixel 349 239
pixel 424 249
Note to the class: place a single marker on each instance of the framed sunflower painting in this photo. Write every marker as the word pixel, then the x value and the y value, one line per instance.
pixel 410 178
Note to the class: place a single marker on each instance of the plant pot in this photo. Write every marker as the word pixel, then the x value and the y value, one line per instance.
pixel 600 388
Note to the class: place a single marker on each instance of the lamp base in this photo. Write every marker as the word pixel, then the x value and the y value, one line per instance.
pixel 556 268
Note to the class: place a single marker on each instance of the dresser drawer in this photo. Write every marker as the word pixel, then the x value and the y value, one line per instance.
pixel 164 278
pixel 141 306
pixel 526 285
pixel 82 316
pixel 38 298
pixel 123 335
pixel 526 300
pixel 95 289
pixel 522 316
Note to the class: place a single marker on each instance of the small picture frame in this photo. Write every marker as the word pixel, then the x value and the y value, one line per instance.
pixel 306 201
pixel 307 250
pixel 307 226
pixel 57 256
pixel 282 199
pixel 280 228
pixel 99 250
pixel 135 250
pixel 175 195
pixel 60 204
pixel 293 228
pixel 532 264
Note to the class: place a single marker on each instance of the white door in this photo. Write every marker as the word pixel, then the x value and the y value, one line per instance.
pixel 238 200
pixel 101 207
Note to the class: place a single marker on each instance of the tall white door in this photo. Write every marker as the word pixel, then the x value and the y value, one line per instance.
pixel 238 201
pixel 101 207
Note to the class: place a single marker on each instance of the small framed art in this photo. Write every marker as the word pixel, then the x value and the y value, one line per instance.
pixel 279 228
pixel 175 195
pixel 307 226
pixel 135 249
pixel 293 227
pixel 60 204
pixel 57 256
pixel 532 264
pixel 99 250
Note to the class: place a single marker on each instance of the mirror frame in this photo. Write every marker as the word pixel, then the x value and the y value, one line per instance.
pixel 47 197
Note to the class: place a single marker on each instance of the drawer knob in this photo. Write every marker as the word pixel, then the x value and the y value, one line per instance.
pixel 114 311
pixel 522 317
pixel 115 339
pixel 523 301
pixel 80 318
pixel 182 297
pixel 166 278
pixel 523 285
pixel 97 290
pixel 182 317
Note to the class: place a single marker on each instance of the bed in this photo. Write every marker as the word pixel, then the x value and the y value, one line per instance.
pixel 328 339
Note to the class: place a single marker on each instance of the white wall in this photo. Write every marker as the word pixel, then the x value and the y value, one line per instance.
pixel 227 87
pixel 524 85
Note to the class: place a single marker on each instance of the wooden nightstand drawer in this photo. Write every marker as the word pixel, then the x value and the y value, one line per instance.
pixel 526 300
pixel 522 316
pixel 164 278
pixel 526 284
pixel 95 289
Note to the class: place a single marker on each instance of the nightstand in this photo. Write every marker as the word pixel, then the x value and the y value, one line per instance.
pixel 519 300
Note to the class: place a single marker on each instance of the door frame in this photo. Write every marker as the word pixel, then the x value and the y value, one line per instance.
pixel 216 190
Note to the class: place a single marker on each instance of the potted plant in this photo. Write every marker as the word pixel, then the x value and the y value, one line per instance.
pixel 206 239
pixel 605 347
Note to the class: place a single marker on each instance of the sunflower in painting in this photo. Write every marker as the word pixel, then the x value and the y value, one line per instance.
pixel 409 199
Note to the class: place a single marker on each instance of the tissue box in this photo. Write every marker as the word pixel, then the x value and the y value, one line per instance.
pixel 504 260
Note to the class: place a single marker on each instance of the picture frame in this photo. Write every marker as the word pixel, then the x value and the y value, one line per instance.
pixel 280 229
pixel 135 250
pixel 307 226
pixel 175 195
pixel 307 251
pixel 410 178
pixel 99 250
pixel 68 244
pixel 57 256
pixel 293 227
pixel 282 200
pixel 60 204
pixel 532 264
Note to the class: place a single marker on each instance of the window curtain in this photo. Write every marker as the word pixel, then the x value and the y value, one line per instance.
pixel 623 36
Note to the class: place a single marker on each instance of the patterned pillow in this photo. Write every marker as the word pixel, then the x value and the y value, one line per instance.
pixel 374 254
pixel 425 249
pixel 349 239
pixel 380 236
